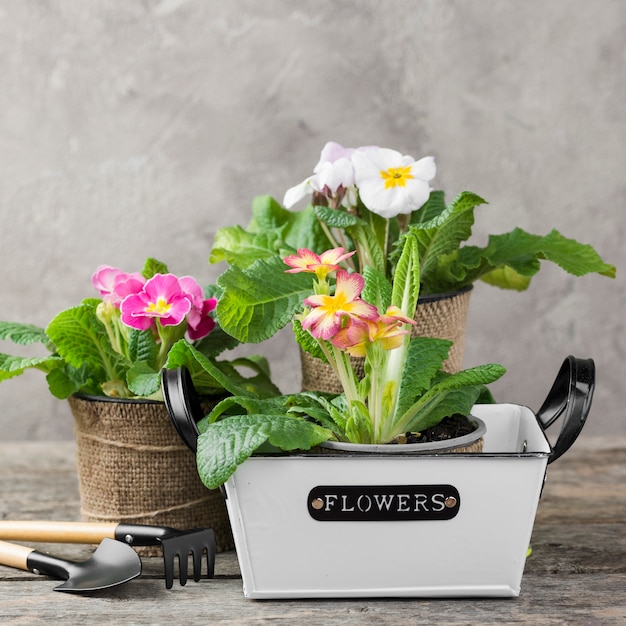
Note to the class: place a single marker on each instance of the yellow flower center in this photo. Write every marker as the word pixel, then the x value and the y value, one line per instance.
pixel 334 304
pixel 396 176
pixel 160 307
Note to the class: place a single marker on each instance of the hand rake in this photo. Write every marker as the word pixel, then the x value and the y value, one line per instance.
pixel 176 544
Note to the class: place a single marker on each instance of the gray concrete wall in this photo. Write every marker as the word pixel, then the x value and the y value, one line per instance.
pixel 135 129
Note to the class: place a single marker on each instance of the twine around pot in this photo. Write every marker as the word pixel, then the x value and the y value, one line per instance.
pixel 442 315
pixel 133 468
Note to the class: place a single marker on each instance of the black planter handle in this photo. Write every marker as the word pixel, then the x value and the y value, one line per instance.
pixel 183 404
pixel 570 397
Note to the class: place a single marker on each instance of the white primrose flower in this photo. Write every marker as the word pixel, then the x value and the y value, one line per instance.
pixel 389 183
pixel 333 177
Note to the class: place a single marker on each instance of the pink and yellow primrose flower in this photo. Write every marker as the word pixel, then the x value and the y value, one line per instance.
pixel 200 323
pixel 321 266
pixel 162 298
pixel 325 318
pixel 387 330
pixel 114 285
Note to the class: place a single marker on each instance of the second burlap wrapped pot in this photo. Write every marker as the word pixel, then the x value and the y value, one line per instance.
pixel 440 315
pixel 133 468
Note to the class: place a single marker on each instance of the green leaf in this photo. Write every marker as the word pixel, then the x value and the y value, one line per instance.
pixel 65 381
pixel 506 278
pixel 210 377
pixel 336 218
pixel 11 366
pixel 377 289
pixel 433 207
pixel 81 340
pixel 452 402
pixel 358 428
pixel 142 346
pixel 299 229
pixel 143 380
pixel 522 253
pixel 444 233
pixel 425 356
pixel 406 280
pixel 22 334
pixel 223 446
pixel 307 342
pixel 153 267
pixel 239 247
pixel 260 300
pixel 216 342
pixel 417 415
pixel 367 241
pixel 226 445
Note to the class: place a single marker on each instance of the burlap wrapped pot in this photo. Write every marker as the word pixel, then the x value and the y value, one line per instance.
pixel 441 315
pixel 134 468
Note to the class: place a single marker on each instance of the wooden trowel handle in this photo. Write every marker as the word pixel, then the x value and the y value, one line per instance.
pixel 57 532
pixel 14 555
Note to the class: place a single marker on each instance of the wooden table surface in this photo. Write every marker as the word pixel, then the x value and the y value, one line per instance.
pixel 576 574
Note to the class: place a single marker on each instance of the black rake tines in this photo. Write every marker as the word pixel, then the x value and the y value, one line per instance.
pixel 182 545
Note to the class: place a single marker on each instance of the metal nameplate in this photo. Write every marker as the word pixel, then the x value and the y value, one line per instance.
pixel 382 503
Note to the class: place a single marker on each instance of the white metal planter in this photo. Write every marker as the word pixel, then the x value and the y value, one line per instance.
pixel 427 525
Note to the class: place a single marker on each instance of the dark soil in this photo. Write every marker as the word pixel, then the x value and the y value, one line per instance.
pixel 456 425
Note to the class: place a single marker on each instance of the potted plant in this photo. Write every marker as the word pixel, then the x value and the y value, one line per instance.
pixel 328 497
pixel 367 199
pixel 326 494
pixel 105 356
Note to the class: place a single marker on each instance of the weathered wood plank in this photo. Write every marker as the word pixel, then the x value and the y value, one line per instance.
pixel 576 574
pixel 545 601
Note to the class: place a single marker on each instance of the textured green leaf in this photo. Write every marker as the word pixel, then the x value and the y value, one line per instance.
pixel 299 229
pixel 307 342
pixel 506 278
pixel 377 290
pixel 260 300
pixel 152 267
pixel 143 380
pixel 336 218
pixel 425 356
pixel 224 445
pixel 216 342
pixel 11 366
pixel 418 414
pixel 241 248
pixel 433 207
pixel 450 403
pixel 406 280
pixel 81 340
pixel 445 232
pixel 142 346
pixel 521 252
pixel 22 334
pixel 210 377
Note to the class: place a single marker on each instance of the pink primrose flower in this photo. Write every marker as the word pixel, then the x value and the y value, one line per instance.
pixel 114 285
pixel 162 298
pixel 321 266
pixel 325 318
pixel 200 323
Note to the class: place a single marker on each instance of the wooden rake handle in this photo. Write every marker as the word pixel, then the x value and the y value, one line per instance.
pixel 57 532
